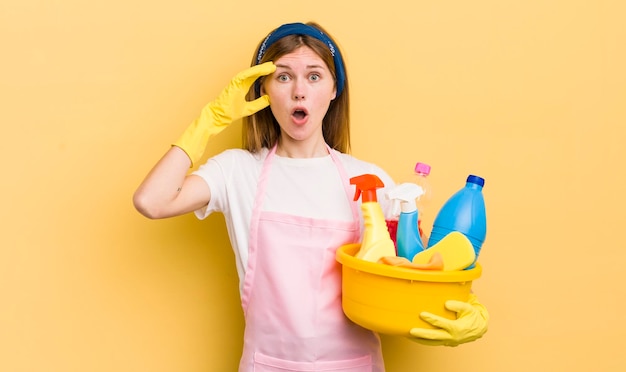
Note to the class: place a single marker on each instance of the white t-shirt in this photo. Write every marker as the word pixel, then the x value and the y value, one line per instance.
pixel 308 187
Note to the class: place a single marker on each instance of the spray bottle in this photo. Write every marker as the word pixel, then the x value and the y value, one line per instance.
pixel 376 242
pixel 408 239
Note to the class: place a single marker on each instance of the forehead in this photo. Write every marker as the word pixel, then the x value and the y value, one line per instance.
pixel 301 56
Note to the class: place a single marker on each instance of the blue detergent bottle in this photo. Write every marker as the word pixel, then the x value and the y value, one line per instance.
pixel 463 212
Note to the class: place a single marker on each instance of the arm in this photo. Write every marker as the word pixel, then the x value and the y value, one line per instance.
pixel 167 190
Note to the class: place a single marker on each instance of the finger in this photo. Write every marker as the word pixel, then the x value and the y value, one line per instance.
pixel 459 307
pixel 436 320
pixel 257 71
pixel 257 105
pixel 430 334
pixel 427 342
pixel 435 342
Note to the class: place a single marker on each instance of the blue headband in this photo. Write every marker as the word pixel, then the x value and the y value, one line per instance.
pixel 302 29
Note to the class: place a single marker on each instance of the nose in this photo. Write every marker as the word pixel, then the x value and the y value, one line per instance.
pixel 298 91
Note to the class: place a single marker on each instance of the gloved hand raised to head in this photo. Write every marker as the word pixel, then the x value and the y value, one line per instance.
pixel 229 106
pixel 470 324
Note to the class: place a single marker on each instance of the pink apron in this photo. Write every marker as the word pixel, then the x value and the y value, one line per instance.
pixel 292 293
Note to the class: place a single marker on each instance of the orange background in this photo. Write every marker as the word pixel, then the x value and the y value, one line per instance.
pixel 530 95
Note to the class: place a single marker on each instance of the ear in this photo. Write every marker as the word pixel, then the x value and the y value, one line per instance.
pixel 334 93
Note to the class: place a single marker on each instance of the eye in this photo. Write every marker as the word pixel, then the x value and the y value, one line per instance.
pixel 315 77
pixel 283 77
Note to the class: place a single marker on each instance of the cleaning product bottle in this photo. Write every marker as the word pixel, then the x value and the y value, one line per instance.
pixel 376 242
pixel 422 170
pixel 463 212
pixel 408 239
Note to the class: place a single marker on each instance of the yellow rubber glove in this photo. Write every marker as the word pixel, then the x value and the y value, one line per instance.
pixel 229 106
pixel 470 324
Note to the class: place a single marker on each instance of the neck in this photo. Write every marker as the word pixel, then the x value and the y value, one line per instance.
pixel 289 149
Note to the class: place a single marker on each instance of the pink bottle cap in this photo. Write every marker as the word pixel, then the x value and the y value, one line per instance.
pixel 422 168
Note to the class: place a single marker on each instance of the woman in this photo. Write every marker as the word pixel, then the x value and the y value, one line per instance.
pixel 286 199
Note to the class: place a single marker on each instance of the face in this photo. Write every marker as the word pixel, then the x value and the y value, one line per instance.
pixel 300 90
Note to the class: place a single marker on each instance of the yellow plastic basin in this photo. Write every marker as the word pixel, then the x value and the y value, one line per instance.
pixel 388 299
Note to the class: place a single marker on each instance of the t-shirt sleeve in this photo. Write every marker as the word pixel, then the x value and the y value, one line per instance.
pixel 213 173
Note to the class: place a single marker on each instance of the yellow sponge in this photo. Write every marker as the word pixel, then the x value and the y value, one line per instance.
pixel 456 250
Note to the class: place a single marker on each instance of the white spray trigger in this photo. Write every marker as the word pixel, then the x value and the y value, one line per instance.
pixel 395 207
pixel 405 194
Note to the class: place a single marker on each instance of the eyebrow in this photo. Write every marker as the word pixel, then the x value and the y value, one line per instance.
pixel 308 66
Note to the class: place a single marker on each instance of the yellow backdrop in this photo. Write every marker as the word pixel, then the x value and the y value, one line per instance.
pixel 530 95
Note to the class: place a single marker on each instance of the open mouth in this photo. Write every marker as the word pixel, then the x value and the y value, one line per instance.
pixel 299 115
